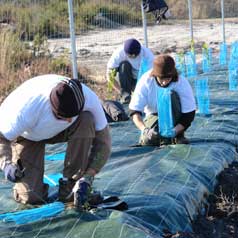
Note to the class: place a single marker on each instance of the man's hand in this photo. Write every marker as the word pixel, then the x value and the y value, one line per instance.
pixel 149 133
pixel 82 190
pixel 13 172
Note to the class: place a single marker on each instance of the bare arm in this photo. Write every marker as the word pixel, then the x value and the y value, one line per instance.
pixel 100 152
pixel 137 119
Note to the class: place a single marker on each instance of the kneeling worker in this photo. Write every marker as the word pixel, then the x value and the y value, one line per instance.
pixel 163 74
pixel 123 67
pixel 51 109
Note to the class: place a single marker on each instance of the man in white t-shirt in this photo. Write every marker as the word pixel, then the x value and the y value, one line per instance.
pixel 144 100
pixel 124 65
pixel 50 109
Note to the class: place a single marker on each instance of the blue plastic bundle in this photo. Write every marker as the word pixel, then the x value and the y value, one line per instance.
pixel 223 54
pixel 179 61
pixel 202 95
pixel 34 214
pixel 144 67
pixel 190 62
pixel 165 118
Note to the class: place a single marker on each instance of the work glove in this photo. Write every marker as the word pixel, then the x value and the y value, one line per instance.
pixel 14 172
pixel 82 190
pixel 150 133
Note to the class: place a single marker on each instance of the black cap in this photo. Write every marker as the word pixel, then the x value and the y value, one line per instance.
pixel 67 98
pixel 132 47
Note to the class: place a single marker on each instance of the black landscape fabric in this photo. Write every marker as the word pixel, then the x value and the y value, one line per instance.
pixel 165 188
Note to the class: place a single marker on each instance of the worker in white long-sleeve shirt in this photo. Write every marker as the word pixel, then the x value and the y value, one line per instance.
pixel 144 100
pixel 50 109
pixel 124 65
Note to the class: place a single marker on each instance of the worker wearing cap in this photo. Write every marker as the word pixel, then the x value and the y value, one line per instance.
pixel 50 109
pixel 124 64
pixel 144 100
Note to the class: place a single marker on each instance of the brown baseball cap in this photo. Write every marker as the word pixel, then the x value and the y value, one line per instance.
pixel 164 66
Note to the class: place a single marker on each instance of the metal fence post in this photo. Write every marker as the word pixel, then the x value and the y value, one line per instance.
pixel 144 25
pixel 223 24
pixel 72 39
pixel 190 18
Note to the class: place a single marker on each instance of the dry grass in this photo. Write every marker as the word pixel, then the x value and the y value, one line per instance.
pixel 19 63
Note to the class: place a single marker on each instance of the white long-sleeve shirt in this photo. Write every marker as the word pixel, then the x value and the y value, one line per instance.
pixel 27 110
pixel 145 94
pixel 119 55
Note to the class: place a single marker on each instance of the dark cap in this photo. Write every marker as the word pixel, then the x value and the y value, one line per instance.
pixel 164 66
pixel 67 98
pixel 132 47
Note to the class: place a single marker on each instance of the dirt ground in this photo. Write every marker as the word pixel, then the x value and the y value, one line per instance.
pixel 221 217
pixel 173 36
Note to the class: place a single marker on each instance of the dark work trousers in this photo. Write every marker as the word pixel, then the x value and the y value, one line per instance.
pixel 151 121
pixel 79 137
pixel 125 77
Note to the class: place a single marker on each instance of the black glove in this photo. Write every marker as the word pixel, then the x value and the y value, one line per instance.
pixel 150 133
pixel 13 172
pixel 82 191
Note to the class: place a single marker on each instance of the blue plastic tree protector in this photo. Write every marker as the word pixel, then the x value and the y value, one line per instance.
pixel 190 62
pixel 56 157
pixel 52 179
pixel 202 95
pixel 179 60
pixel 144 67
pixel 165 117
pixel 34 214
pixel 223 54
pixel 233 64
pixel 233 78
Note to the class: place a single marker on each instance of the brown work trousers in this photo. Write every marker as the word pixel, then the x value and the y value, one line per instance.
pixel 79 136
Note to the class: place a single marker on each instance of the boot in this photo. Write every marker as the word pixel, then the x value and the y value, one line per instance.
pixel 167 141
pixel 65 190
pixel 181 139
pixel 125 98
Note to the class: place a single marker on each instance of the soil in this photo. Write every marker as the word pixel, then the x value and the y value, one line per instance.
pixel 221 215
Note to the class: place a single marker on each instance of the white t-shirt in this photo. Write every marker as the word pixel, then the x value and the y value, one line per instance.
pixel 27 110
pixel 119 55
pixel 145 94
